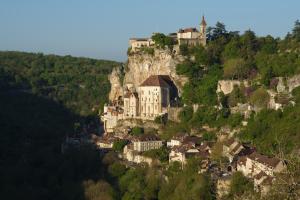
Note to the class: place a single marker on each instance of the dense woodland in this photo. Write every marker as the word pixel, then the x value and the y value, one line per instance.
pixel 42 96
pixel 230 55
pixel 80 84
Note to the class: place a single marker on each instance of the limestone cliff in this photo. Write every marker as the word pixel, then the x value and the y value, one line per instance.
pixel 162 62
pixel 116 86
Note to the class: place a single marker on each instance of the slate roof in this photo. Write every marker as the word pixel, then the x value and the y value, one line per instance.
pixel 272 162
pixel 156 80
pixel 187 30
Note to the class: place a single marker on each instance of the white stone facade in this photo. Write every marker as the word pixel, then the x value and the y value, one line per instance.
pixel 153 100
pixel 131 105
pixel 141 146
pixel 137 43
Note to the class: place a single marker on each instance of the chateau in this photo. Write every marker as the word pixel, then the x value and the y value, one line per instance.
pixel 188 36
pixel 155 94
pixel 150 100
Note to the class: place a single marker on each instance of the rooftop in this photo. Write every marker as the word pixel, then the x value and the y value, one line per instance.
pixel 187 30
pixel 272 162
pixel 157 80
pixel 147 137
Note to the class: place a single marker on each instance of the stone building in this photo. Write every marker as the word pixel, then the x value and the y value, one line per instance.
pixel 131 104
pixel 191 36
pixel 253 164
pixel 137 43
pixel 146 142
pixel 154 96
pixel 110 117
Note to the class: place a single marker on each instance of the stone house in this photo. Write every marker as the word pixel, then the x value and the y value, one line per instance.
pixel 183 152
pixel 231 148
pixel 255 163
pixel 146 142
pixel 110 117
pixel 176 140
pixel 132 155
pixel 137 43
pixel 191 36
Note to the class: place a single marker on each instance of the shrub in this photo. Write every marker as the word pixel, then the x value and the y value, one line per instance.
pixel 184 50
pixel 234 68
pixel 260 98
pixel 136 131
pixel 239 184
pixel 116 169
pixel 119 145
pixel 161 40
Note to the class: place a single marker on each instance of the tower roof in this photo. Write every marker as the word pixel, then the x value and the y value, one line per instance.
pixel 156 80
pixel 203 23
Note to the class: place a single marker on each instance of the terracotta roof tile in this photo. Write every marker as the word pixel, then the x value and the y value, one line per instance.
pixel 157 80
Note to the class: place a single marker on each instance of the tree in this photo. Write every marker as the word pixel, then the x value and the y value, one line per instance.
pixel 239 185
pixel 296 31
pixel 97 190
pixel 235 68
pixel 136 131
pixel 119 145
pixel 162 40
pixel 260 98
pixel 116 169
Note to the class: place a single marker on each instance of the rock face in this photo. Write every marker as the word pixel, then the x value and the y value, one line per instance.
pixel 293 82
pixel 289 84
pixel 116 87
pixel 162 62
pixel 227 86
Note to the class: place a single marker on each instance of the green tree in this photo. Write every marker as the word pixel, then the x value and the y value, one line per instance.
pixel 260 98
pixel 136 131
pixel 235 68
pixel 296 31
pixel 239 185
pixel 116 169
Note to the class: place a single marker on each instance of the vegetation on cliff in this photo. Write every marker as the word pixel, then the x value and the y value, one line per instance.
pixel 80 84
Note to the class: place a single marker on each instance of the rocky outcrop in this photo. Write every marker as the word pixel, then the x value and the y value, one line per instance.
pixel 227 86
pixel 116 86
pixel 293 82
pixel 289 84
pixel 162 62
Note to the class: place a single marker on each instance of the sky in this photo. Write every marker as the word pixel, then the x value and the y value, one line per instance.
pixel 101 28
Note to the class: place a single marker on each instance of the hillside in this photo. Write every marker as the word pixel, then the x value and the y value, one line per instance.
pixel 42 97
pixel 80 84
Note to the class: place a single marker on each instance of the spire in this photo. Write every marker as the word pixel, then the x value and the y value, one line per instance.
pixel 203 23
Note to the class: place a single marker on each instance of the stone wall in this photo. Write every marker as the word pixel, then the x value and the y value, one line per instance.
pixel 289 84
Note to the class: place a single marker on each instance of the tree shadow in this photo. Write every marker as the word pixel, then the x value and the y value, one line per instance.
pixel 32 166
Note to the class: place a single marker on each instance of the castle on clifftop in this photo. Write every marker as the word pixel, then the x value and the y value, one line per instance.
pixel 188 36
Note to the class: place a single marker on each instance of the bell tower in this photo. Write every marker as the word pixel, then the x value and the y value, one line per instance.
pixel 203 31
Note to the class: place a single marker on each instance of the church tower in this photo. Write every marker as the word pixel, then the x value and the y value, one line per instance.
pixel 203 31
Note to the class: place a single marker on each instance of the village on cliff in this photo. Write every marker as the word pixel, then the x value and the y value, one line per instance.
pixel 148 95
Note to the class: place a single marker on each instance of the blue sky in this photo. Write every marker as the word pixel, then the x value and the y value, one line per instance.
pixel 101 28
